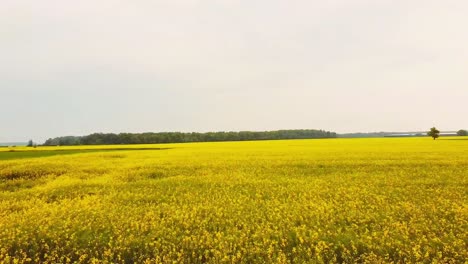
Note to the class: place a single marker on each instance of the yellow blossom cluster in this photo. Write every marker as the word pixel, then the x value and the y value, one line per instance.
pixel 400 200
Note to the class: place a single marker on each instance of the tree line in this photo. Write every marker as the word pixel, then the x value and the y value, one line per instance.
pixel 180 137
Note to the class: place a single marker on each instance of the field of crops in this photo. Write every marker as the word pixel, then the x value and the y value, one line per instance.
pixel 293 201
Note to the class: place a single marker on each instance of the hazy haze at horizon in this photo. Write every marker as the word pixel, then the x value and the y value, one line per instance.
pixel 74 68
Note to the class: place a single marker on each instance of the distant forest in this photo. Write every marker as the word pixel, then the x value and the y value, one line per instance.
pixel 179 137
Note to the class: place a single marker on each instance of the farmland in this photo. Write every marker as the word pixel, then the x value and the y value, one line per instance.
pixel 286 201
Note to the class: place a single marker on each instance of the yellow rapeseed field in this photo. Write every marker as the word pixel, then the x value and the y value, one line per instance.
pixel 401 200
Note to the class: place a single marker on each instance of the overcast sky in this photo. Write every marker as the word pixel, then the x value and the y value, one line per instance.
pixel 78 67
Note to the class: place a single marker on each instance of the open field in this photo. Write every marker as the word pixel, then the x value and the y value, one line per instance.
pixel 292 201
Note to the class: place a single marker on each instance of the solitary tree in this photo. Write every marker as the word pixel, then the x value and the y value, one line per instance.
pixel 30 143
pixel 462 132
pixel 434 133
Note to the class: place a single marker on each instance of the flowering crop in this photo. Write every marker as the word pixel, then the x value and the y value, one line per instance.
pixel 293 201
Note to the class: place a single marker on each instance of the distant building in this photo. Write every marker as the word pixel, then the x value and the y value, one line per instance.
pixel 448 134
pixel 420 134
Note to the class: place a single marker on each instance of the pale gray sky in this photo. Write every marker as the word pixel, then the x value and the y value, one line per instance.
pixel 77 67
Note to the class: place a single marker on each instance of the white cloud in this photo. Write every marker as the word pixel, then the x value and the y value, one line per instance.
pixel 231 65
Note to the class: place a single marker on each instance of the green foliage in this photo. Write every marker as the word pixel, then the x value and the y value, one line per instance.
pixel 178 137
pixel 462 132
pixel 30 143
pixel 434 133
pixel 26 154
